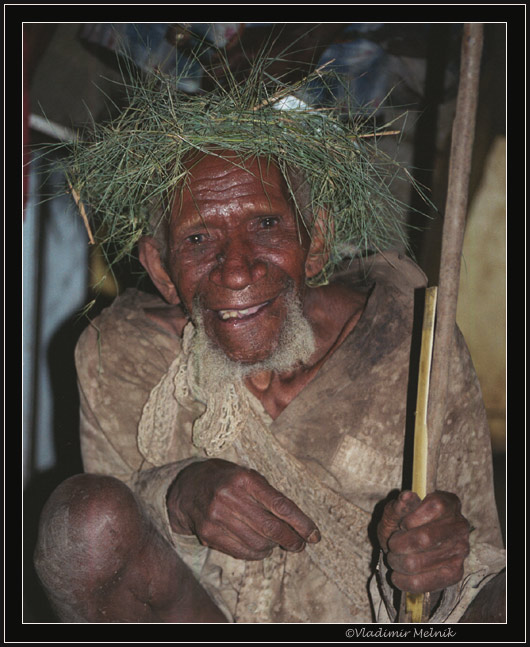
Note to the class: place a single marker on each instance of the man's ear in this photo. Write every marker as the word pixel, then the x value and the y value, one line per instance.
pixel 318 254
pixel 149 255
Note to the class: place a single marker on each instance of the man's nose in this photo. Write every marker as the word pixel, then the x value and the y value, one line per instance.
pixel 237 266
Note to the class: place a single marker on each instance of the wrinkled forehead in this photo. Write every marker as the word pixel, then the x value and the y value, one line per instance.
pixel 211 174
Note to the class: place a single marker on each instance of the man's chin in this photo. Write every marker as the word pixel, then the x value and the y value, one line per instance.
pixel 245 362
pixel 238 351
pixel 244 353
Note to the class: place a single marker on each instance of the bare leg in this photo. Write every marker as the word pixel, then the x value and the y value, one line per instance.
pixel 101 559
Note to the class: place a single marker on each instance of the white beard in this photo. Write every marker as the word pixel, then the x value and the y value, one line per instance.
pixel 295 346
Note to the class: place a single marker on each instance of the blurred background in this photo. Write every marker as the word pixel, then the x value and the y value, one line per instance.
pixel 72 76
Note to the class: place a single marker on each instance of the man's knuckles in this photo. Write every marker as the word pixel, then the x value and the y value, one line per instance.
pixel 435 506
pixel 425 541
pixel 447 530
pixel 435 580
pixel 439 504
pixel 406 565
pixel 439 558
pixel 412 541
pixel 207 529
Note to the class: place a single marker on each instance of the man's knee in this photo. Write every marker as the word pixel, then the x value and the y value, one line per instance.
pixel 87 529
pixel 100 559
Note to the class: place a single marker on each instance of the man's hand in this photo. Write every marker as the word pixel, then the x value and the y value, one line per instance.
pixel 426 541
pixel 236 511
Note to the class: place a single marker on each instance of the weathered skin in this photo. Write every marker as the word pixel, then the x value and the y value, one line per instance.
pixel 235 243
pixel 426 541
pixel 109 563
pixel 236 511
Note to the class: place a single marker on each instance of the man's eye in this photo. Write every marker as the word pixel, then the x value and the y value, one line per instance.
pixel 269 222
pixel 195 239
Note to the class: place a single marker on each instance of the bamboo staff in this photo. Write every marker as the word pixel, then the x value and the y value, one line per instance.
pixel 416 608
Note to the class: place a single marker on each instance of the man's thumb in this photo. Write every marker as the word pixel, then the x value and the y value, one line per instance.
pixel 393 513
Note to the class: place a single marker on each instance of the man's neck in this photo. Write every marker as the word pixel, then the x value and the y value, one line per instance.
pixel 333 315
pixel 260 381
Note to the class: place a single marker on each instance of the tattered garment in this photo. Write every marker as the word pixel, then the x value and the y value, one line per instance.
pixel 336 451
pixel 233 416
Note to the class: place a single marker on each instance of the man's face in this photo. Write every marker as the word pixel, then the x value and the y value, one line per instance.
pixel 237 252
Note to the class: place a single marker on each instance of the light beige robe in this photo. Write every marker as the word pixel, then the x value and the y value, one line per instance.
pixel 339 445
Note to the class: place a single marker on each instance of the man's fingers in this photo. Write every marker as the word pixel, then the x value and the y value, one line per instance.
pixel 426 541
pixel 413 563
pixel 393 515
pixel 241 542
pixel 435 580
pixel 235 510
pixel 259 516
pixel 282 508
pixel 276 530
pixel 255 526
pixel 436 505
pixel 427 537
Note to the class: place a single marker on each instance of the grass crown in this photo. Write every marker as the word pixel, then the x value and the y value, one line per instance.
pixel 123 171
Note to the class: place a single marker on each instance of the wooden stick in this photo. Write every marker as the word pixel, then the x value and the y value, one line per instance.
pixel 416 608
pixel 453 237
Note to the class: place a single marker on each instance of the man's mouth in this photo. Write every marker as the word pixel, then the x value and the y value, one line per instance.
pixel 225 315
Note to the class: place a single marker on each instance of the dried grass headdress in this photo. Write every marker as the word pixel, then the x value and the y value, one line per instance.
pixel 121 171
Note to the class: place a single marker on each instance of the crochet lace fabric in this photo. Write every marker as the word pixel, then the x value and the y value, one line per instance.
pixel 231 415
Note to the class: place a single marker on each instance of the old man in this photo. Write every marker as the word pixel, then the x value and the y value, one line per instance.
pixel 241 433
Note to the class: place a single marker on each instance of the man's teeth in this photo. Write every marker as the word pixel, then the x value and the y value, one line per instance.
pixel 239 314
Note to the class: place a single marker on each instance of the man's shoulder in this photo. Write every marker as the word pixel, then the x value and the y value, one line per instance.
pixel 391 281
pixel 124 330
pixel 391 268
pixel 124 306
